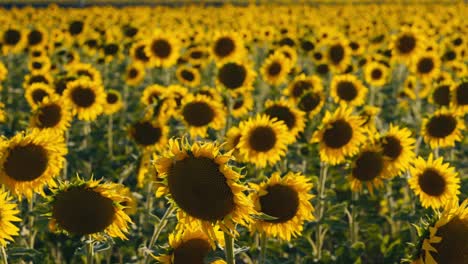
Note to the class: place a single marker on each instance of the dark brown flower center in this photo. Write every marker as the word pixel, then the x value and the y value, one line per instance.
pixel 299 87
pixel 346 90
pixel 441 126
pixel 274 69
pixel 453 249
pixel 187 75
pixel 11 37
pixel 199 188
pixel 81 211
pixel 49 115
pixel 376 74
pixel 392 147
pixel 461 93
pixel 282 113
pixel 161 48
pixel 26 163
pixel 132 73
pixel 432 182
pixel 145 134
pixel 140 54
pixel 425 65
pixel 232 75
pixel 198 114
pixel 83 97
pixel 262 139
pixel 224 46
pixel 112 98
pixel 281 202
pixel 336 53
pixel 406 44
pixel 368 166
pixel 338 134
pixel 111 49
pixel 75 28
pixel 34 37
pixel 441 95
pixel 322 69
pixel 38 95
pixel 309 101
pixel 192 251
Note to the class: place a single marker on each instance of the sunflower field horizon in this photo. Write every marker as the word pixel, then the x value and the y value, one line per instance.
pixel 221 133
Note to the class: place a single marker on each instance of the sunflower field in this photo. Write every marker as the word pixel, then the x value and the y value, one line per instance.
pixel 236 133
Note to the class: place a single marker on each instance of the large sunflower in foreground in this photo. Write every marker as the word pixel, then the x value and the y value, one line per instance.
pixel 286 111
pixel 199 112
pixel 206 190
pixel 264 140
pixel 52 114
pixel 434 182
pixel 8 213
pixel 443 128
pixel 447 241
pixel 89 208
pixel 287 201
pixel 29 161
pixel 368 168
pixel 398 149
pixel 190 246
pixel 86 98
pixel 348 90
pixel 339 135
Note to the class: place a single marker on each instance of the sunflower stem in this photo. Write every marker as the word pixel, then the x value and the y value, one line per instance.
pixel 89 251
pixel 159 227
pixel 4 255
pixel 32 231
pixel 110 137
pixel 372 96
pixel 263 249
pixel 229 248
pixel 436 152
pixel 319 236
pixel 354 223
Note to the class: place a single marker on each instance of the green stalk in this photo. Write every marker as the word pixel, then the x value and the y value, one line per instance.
pixel 354 223
pixel 89 251
pixel 320 232
pixel 263 249
pixel 32 230
pixel 4 255
pixel 159 227
pixel 229 248
pixel 110 137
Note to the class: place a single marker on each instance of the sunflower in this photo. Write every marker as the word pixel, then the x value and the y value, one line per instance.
pixel 447 241
pixel 37 92
pixel 86 98
pixel 152 94
pixel 233 136
pixel 138 52
pixel 163 50
pixel 426 65
pixel 13 40
pixel 36 37
pixel 134 74
pixel 441 94
pixel 227 47
pixel 89 208
pixel 338 55
pixel 242 104
pixel 275 69
pixel 264 140
pixel 339 135
pixel 111 50
pixel 190 246
pixel 84 71
pixel 406 44
pixel 39 65
pixel 285 111
pixel 376 74
pixel 348 90
pixel 443 128
pixel 198 113
pixel 460 96
pixel 289 52
pixel 302 84
pixel 162 106
pixel 368 168
pixel 9 212
pixel 44 154
pixel 369 114
pixel 206 190
pixel 235 77
pixel 114 102
pixel 434 182
pixel 149 134
pixel 398 149
pixel 188 76
pixel 287 201
pixel 176 94
pixel 52 114
pixel 37 77
pixel 311 102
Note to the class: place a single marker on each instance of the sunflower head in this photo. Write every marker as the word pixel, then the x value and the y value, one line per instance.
pixel 348 90
pixel 86 98
pixel 188 76
pixel 135 74
pixel 89 208
pixel 227 47
pixel 149 134
pixel 162 50
pixel 398 149
pixel 114 102
pixel 9 214
pixel 285 111
pixel 368 168
pixel 235 76
pixel 275 69
pixel 52 114
pixel 443 128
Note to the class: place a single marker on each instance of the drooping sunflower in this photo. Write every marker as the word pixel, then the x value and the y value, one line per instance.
pixel 302 84
pixel 339 135
pixel 338 55
pixel 114 102
pixel 198 113
pixel 89 208
pixel 227 46
pixel 86 98
pixel 264 140
pixel 348 90
pixel 460 96
pixel 206 190
pixel 36 93
pixel 376 74
pixel 287 112
pixel 149 134
pixel 52 114
pixel 9 211
pixel 287 201
pixel 447 241
pixel 242 103
pixel 398 149
pixel 368 168
pixel 163 50
pixel 311 102
pixel 443 128
pixel 275 69
pixel 43 153
pixel 235 77
pixel 434 182
pixel 406 44
pixel 134 74
pixel 190 246
pixel 188 76
pixel 426 65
